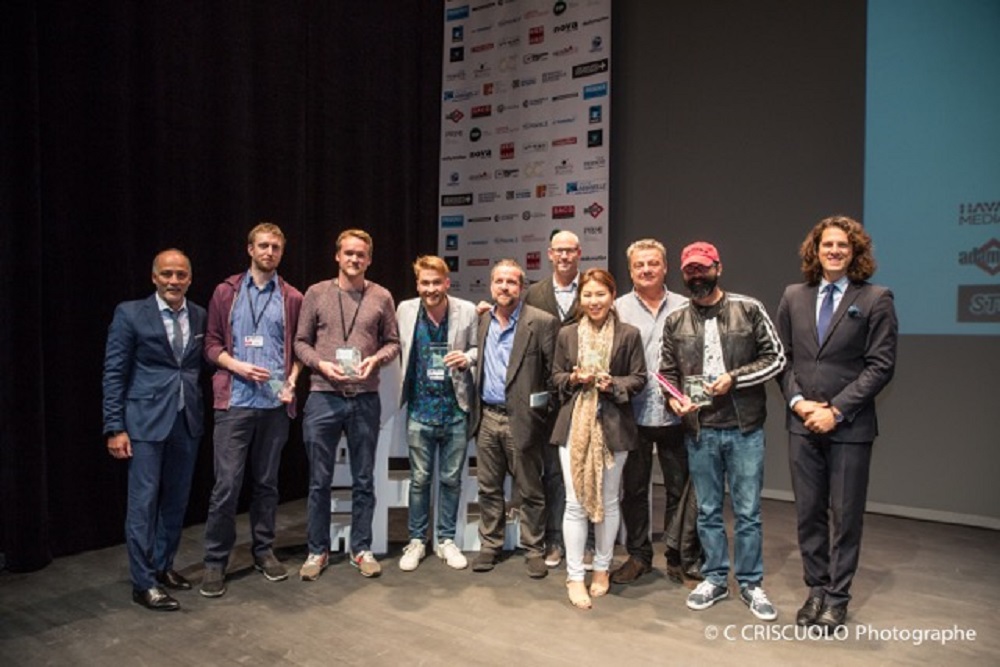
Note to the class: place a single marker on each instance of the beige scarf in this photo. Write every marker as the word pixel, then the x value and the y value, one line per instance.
pixel 588 454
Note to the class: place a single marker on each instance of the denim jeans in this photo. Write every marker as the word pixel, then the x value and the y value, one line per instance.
pixel 325 418
pixel 448 445
pixel 713 457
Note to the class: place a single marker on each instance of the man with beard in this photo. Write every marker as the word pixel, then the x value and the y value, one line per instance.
pixel 347 331
pixel 437 335
pixel 558 295
pixel 252 319
pixel 514 380
pixel 840 332
pixel 720 350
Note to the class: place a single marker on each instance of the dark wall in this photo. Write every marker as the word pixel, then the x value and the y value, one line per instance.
pixel 743 123
pixel 129 128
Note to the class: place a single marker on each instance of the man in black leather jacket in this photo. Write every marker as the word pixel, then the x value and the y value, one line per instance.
pixel 719 351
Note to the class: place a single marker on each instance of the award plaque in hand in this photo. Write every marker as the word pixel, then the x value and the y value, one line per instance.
pixel 696 388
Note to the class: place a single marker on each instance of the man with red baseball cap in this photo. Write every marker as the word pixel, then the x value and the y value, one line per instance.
pixel 720 350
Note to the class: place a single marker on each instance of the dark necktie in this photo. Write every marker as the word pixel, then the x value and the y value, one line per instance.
pixel 178 338
pixel 825 312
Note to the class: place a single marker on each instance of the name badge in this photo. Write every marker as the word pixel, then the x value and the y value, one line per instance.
pixel 253 341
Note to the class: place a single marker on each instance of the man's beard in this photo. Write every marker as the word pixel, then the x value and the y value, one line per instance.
pixel 701 287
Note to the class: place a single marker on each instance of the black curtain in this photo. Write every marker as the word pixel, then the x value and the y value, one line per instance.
pixel 132 127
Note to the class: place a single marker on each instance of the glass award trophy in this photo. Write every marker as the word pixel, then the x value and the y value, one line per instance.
pixel 349 359
pixel 696 388
pixel 436 368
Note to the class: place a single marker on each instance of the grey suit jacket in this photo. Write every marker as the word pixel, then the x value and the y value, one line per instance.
pixel 528 372
pixel 850 368
pixel 628 377
pixel 463 326
pixel 541 295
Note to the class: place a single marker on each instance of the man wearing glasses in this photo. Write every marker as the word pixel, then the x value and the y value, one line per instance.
pixel 558 296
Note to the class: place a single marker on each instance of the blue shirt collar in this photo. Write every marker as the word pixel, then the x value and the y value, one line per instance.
pixel 513 316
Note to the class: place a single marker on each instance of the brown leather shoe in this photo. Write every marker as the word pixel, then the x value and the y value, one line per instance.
pixel 631 570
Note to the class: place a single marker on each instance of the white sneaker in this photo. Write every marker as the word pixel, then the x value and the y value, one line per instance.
pixel 449 552
pixel 413 553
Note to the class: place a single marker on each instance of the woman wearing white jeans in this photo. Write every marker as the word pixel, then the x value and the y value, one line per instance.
pixel 599 366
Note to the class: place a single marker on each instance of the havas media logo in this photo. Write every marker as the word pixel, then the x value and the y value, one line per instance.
pixel 979 213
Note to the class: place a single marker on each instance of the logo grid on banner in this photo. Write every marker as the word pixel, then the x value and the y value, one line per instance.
pixel 524 135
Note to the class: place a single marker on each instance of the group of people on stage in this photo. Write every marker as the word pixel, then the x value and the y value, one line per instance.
pixel 567 386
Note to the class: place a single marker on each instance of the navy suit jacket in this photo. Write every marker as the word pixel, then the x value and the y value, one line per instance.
pixel 852 365
pixel 142 379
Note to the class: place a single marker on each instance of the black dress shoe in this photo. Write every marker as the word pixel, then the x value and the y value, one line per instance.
pixel 484 562
pixel 831 618
pixel 155 599
pixel 172 579
pixel 693 571
pixel 810 611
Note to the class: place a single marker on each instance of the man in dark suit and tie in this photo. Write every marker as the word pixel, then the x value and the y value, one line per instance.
pixel 153 417
pixel 516 343
pixel 839 333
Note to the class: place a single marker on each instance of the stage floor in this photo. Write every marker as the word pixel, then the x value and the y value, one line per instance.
pixel 916 577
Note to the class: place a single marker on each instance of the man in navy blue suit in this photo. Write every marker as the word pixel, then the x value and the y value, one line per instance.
pixel 839 332
pixel 153 417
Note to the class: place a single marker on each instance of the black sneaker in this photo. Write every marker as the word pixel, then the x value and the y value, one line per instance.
pixel 213 583
pixel 705 595
pixel 270 567
pixel 756 599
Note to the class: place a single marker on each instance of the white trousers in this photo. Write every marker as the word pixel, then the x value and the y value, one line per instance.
pixel 575 521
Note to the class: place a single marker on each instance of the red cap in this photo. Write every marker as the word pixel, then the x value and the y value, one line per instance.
pixel 699 253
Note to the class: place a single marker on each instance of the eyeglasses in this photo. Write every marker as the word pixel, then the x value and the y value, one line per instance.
pixel 564 251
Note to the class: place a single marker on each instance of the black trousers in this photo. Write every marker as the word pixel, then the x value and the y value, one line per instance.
pixel 679 519
pixel 830 482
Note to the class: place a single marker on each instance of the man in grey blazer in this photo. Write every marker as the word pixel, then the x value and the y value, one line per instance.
pixel 153 416
pixel 437 335
pixel 839 332
pixel 516 345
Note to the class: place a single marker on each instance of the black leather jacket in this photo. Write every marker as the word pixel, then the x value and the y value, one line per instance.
pixel 751 351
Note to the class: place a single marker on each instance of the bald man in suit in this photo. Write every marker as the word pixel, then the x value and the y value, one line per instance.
pixel 558 295
pixel 153 417
pixel 839 332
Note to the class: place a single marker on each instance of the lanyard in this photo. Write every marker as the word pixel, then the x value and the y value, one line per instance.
pixel 340 301
pixel 254 317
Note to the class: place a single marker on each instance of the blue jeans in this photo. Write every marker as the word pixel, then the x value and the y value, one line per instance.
pixel 713 457
pixel 325 418
pixel 448 445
